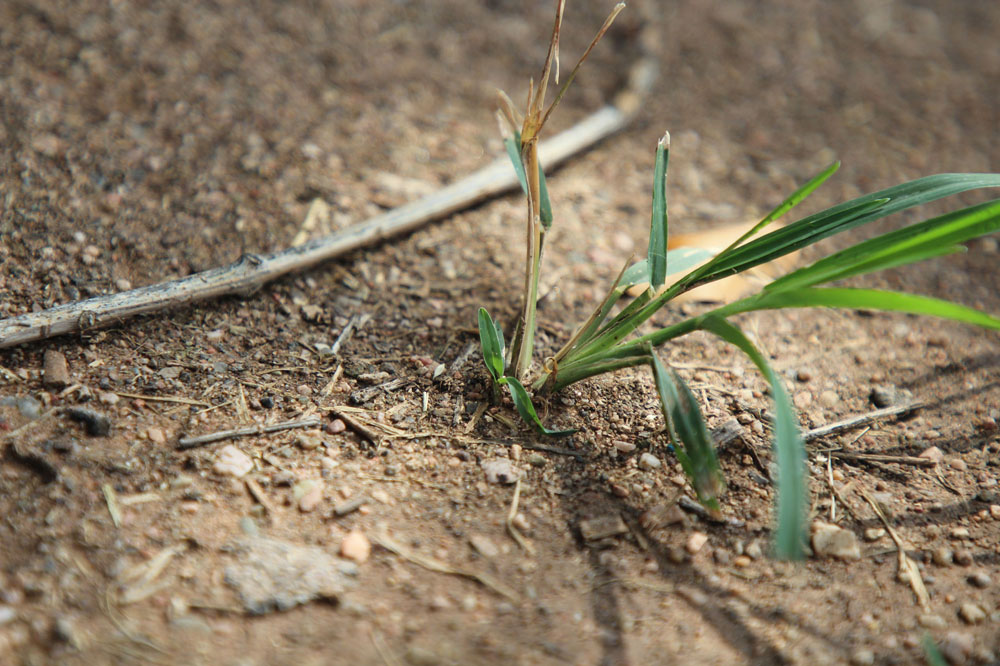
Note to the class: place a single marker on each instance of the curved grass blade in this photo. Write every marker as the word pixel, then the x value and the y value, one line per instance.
pixel 513 146
pixel 846 216
pixel 692 443
pixel 491 342
pixel 864 299
pixel 657 258
pixel 797 197
pixel 913 243
pixel 788 445
pixel 522 401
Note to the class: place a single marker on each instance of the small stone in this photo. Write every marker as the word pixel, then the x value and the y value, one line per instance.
pixel 862 657
pixel 95 423
pixel 381 496
pixel 932 621
pixel 995 511
pixel 958 464
pixel 232 462
pixel 309 440
pixel 722 557
pixel 623 446
pixel 833 541
pixel 754 551
pixel 537 460
pixel 932 453
pixel 696 542
pixel 943 556
pixel 304 390
pixel 501 470
pixel 874 533
pixel 7 615
pixel 355 546
pixel 741 561
pixel 963 557
pixel 959 533
pixel 661 515
pixel 649 462
pixel 802 399
pixel 308 494
pixel 602 527
pixel 957 647
pixel 156 435
pixel 829 399
pixel 482 545
pixel 803 376
pixel 971 613
pixel 980 579
pixel 335 426
pixel 55 370
pixel 107 398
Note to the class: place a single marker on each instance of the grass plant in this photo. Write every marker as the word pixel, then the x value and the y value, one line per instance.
pixel 609 340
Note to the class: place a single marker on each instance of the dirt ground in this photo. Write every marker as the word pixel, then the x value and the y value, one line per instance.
pixel 142 141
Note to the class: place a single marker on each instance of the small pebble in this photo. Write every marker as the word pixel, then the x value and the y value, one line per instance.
pixel 649 462
pixel 829 399
pixel 7 615
pixel 308 494
pixel 696 542
pixel 833 541
pixel 232 462
pixel 874 533
pixel 958 464
pixel 309 440
pixel 957 647
pixel 55 370
pixel 971 613
pixel 964 557
pixel 482 545
pixel 335 426
pixel 959 533
pixel 943 556
pixel 156 435
pixel 741 561
pixel 754 551
pixel 932 453
pixel 980 579
pixel 624 447
pixel 501 470
pixel 355 546
pixel 863 657
pixel 932 621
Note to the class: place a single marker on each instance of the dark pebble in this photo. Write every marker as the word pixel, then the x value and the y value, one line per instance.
pixel 95 423
pixel 267 402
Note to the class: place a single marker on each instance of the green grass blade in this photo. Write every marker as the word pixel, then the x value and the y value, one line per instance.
pixel 491 342
pixel 658 225
pixel 864 299
pixel 932 655
pixel 690 437
pixel 845 216
pixel 513 146
pixel 522 401
pixel 788 445
pixel 797 197
pixel 916 242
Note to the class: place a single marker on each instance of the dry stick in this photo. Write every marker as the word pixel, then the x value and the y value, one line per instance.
pixel 432 564
pixel 201 440
pixel 252 271
pixel 877 457
pixel 859 421
pixel 511 528
pixel 907 567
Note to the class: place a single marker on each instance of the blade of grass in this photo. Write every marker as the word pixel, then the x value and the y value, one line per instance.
pixel 862 299
pixel 657 259
pixel 522 401
pixel 686 425
pixel 491 342
pixel 933 237
pixel 788 445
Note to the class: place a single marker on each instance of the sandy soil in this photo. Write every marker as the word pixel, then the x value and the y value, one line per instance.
pixel 145 141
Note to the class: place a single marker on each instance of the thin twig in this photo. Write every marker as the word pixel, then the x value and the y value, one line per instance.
pixel 511 529
pixel 201 440
pixel 880 458
pixel 261 497
pixel 859 421
pixel 251 271
pixel 437 566
pixel 162 398
pixel 907 567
